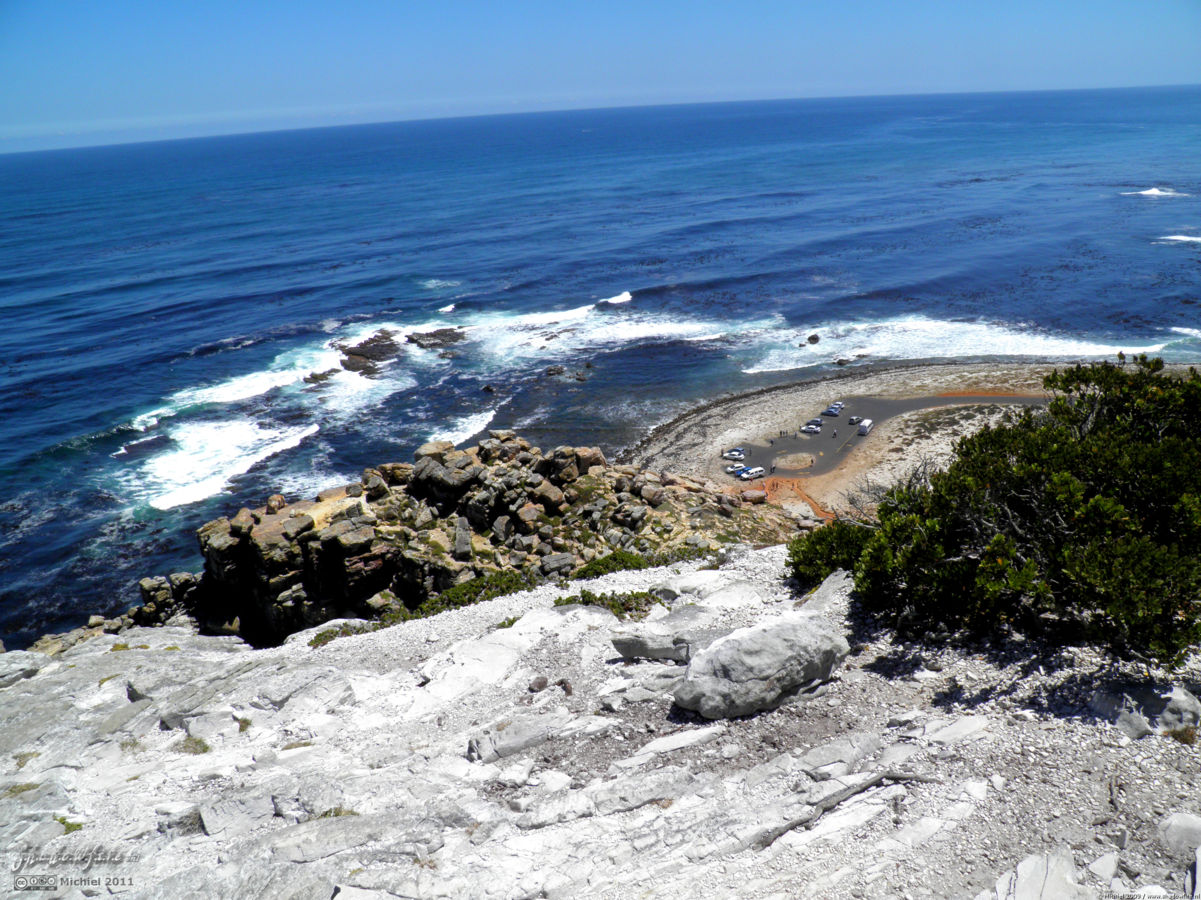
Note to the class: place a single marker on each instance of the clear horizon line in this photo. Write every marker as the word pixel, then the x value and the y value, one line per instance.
pixel 528 112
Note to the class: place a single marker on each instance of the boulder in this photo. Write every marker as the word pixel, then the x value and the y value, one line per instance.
pixel 436 450
pixel 757 668
pixel 1181 833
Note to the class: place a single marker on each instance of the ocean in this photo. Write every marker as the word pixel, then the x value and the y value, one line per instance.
pixel 172 312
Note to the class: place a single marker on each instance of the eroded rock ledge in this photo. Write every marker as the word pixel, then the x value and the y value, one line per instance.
pixel 407 531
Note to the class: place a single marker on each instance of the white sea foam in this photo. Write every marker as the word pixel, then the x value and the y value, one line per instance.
pixel 446 309
pixel 1188 332
pixel 623 297
pixel 1182 238
pixel 919 337
pixel 591 327
pixel 206 455
pixel 459 430
pixel 1154 192
pixel 437 284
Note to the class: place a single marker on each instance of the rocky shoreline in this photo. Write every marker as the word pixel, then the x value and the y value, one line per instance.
pixel 311 717
pixel 406 532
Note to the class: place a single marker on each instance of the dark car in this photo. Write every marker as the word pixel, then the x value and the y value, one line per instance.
pixel 818 422
pixel 832 411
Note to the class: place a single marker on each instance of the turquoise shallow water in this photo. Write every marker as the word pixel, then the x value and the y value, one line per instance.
pixel 163 303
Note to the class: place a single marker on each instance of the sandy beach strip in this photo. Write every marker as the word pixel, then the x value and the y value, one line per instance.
pixel 955 400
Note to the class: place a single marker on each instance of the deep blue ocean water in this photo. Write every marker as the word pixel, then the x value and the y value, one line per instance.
pixel 162 303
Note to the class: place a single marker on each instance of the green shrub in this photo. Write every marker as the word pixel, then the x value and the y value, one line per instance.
pixel 1083 520
pixel 814 556
pixel 321 638
pixel 631 605
pixel 617 561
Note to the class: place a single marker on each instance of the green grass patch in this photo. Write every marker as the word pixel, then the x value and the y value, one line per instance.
pixel 23 758
pixel 296 745
pixel 101 682
pixel 508 623
pixel 16 790
pixel 244 723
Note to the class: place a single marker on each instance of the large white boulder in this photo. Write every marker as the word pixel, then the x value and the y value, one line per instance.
pixel 758 668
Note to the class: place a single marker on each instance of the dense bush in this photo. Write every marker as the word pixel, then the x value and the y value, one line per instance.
pixel 1085 516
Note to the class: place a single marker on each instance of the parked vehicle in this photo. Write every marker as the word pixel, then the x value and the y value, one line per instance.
pixel 837 404
pixel 736 468
pixel 749 474
pixel 866 426
pixel 816 422
pixel 736 453
pixel 811 429
pixel 832 411
pixel 854 420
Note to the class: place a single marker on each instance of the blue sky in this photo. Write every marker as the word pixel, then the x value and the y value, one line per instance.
pixel 78 73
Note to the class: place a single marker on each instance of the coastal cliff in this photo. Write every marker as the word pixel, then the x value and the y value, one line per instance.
pixel 407 532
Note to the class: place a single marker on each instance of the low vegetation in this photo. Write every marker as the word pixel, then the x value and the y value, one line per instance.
pixel 617 561
pixel 193 745
pixel 631 605
pixel 1082 521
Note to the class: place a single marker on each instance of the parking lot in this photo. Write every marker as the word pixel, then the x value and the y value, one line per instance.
pixel 794 453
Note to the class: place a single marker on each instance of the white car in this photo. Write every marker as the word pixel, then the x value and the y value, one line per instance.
pixel 750 474
pixel 735 468
pixel 811 429
pixel 736 454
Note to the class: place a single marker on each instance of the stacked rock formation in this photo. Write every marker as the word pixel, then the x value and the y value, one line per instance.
pixel 408 531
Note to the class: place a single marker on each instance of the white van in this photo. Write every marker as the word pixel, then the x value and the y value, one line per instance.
pixel 750 474
pixel 865 426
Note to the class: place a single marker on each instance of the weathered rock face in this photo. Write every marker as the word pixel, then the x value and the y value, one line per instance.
pixel 756 669
pixel 407 531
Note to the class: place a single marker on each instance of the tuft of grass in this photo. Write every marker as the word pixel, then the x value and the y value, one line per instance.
pixel 16 790
pixel 118 647
pixel 23 758
pixel 193 745
pixel 130 743
pixel 101 682
pixel 508 623
pixel 172 647
pixel 68 827
pixel 297 744
pixel 631 605
pixel 244 723
pixel 1186 734
pixel 337 812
